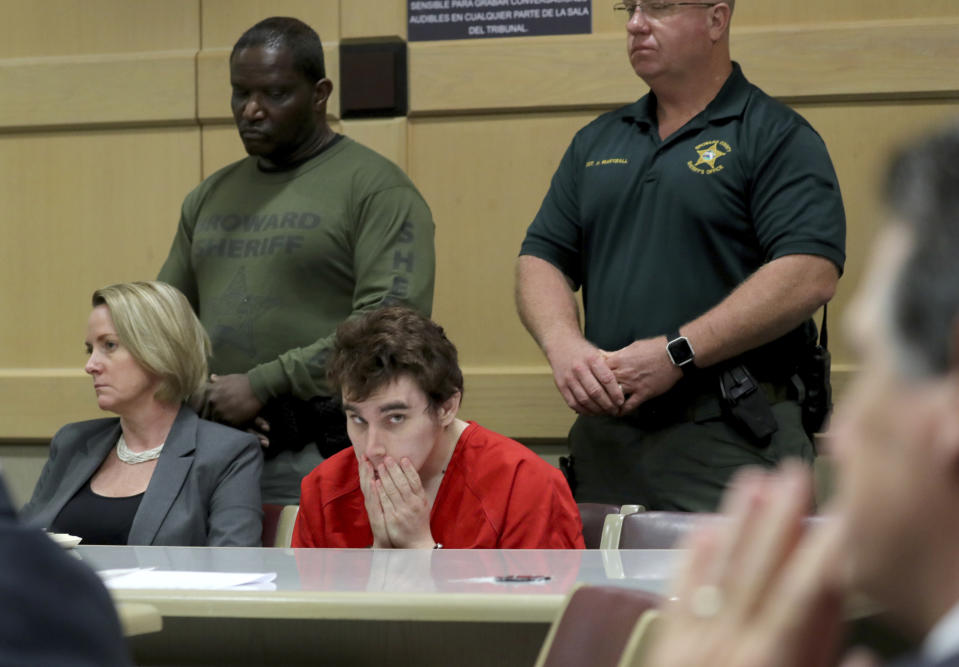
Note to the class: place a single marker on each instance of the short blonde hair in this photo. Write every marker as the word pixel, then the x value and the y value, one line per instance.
pixel 156 323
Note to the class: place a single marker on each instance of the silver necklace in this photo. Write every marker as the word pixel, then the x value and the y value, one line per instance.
pixel 125 455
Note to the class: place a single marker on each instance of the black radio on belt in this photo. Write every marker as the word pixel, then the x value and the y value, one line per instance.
pixel 745 406
pixel 812 380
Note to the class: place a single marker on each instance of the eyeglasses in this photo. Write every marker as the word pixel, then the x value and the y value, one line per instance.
pixel 656 10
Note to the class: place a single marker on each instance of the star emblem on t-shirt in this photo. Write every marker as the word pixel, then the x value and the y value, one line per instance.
pixel 709 154
pixel 235 313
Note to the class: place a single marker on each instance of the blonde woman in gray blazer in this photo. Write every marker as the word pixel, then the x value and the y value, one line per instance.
pixel 157 474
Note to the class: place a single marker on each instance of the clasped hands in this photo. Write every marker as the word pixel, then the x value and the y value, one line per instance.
pixel 396 504
pixel 230 399
pixel 597 382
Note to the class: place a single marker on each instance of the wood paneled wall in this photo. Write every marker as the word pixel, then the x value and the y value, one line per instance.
pixel 113 110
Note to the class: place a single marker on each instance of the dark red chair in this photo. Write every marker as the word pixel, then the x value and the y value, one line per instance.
pixel 659 530
pixel 271 517
pixel 597 625
pixel 664 530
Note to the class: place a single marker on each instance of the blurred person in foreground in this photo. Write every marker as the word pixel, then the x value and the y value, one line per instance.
pixel 417 476
pixel 759 592
pixel 55 610
pixel 157 474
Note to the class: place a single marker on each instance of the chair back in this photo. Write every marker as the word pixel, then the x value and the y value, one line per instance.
pixel 613 526
pixel 659 530
pixel 278 523
pixel 665 530
pixel 637 648
pixel 593 516
pixel 595 627
pixel 271 516
pixel 284 527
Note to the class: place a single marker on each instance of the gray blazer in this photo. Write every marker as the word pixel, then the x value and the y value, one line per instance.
pixel 205 490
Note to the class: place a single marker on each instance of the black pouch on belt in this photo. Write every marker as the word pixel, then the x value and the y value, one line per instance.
pixel 745 407
pixel 295 422
pixel 812 379
pixel 569 472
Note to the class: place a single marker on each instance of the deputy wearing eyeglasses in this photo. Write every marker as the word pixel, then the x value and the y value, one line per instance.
pixel 705 227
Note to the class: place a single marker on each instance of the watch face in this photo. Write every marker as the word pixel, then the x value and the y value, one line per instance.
pixel 680 351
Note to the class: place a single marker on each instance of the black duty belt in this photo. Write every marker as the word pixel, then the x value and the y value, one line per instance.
pixel 295 423
pixel 697 401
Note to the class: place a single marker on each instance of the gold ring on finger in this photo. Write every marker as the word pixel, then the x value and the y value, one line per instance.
pixel 706 601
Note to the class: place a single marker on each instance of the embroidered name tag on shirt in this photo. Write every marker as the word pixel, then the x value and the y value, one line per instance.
pixel 607 161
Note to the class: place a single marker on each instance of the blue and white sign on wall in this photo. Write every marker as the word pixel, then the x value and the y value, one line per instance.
pixel 476 19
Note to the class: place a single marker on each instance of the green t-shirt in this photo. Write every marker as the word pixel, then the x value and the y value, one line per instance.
pixel 658 232
pixel 274 261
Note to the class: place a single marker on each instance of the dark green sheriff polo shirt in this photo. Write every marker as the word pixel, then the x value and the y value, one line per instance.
pixel 657 232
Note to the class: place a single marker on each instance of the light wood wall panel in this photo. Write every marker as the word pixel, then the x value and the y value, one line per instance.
pixel 223 21
pixel 520 73
pixel 97 62
pixel 520 401
pixel 784 12
pixel 869 59
pixel 484 178
pixel 589 71
pixel 605 19
pixel 82 210
pixel 85 27
pixel 387 136
pixel 386 18
pixel 47 398
pixel 125 89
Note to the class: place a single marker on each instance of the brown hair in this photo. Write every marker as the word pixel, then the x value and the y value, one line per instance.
pixel 378 347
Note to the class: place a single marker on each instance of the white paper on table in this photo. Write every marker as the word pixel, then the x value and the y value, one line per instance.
pixel 538 580
pixel 106 575
pixel 149 578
